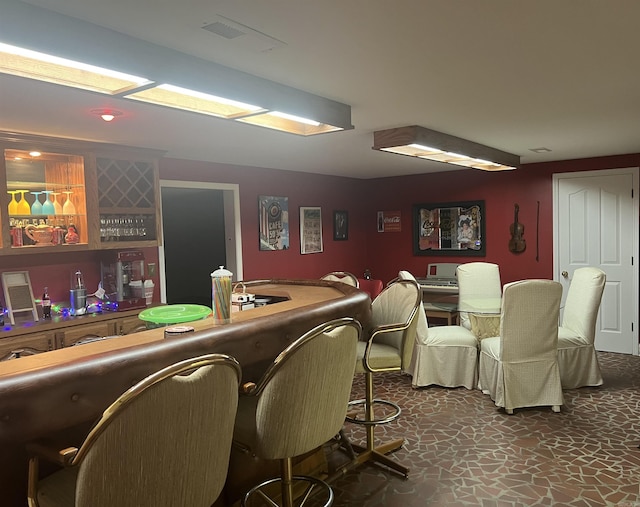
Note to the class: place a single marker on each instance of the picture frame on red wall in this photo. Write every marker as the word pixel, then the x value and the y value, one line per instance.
pixel 449 228
pixel 340 225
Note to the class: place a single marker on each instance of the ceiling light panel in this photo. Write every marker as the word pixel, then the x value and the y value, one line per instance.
pixel 420 142
pixel 191 100
pixel 44 67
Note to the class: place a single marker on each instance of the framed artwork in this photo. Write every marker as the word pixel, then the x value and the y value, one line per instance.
pixel 340 225
pixel 310 230
pixel 449 228
pixel 273 222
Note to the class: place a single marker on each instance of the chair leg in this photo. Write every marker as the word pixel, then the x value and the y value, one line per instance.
pixel 286 473
pixel 556 408
pixel 371 452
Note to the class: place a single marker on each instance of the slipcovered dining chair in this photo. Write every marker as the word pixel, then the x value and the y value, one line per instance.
pixel 577 356
pixel 299 404
pixel 342 276
pixel 165 442
pixel 519 368
pixel 446 356
pixel 479 287
pixel 388 348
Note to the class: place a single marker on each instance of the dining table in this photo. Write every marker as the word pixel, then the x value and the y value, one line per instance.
pixel 483 314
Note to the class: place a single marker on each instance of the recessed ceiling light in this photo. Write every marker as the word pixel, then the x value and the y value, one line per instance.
pixel 540 150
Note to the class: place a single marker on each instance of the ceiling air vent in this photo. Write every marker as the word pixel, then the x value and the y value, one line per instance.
pixel 238 33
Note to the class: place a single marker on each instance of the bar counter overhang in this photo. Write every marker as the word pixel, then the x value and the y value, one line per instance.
pixel 66 388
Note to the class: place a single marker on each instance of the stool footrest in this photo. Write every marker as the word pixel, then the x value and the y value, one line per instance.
pixel 373 422
pixel 313 482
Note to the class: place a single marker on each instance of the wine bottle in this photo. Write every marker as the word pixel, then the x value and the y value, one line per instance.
pixel 46 304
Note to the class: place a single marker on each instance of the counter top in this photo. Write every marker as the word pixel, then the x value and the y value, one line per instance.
pixel 60 388
pixel 25 325
pixel 64 391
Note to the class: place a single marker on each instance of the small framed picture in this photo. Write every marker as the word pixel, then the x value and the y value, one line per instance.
pixel 340 225
pixel 310 230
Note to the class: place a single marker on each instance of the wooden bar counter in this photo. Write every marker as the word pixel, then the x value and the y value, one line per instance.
pixel 67 390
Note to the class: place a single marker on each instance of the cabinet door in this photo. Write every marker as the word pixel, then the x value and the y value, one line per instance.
pixel 130 325
pixel 48 204
pixel 69 336
pixel 32 343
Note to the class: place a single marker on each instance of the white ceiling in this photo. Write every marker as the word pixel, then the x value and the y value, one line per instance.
pixel 514 75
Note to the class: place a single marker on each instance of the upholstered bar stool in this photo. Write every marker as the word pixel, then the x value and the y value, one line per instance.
pixel 164 443
pixel 388 348
pixel 299 404
pixel 342 276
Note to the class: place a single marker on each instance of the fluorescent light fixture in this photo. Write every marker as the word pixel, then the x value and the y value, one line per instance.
pixel 289 123
pixel 205 103
pixel 195 101
pixel 191 83
pixel 52 69
pixel 421 142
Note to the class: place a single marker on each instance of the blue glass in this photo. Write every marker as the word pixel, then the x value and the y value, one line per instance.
pixel 47 205
pixel 36 207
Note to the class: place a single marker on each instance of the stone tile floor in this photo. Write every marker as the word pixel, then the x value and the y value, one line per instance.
pixel 464 451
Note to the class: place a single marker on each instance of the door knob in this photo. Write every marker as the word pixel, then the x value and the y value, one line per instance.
pixel 564 274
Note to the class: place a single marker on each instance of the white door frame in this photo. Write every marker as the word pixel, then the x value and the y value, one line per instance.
pixel 634 237
pixel 232 227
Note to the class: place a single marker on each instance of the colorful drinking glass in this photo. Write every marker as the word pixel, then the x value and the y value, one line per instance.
pixel 56 205
pixel 23 206
pixel 36 207
pixel 47 205
pixel 68 208
pixel 13 204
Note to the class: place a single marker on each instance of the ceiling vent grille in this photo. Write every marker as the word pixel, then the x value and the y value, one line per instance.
pixel 224 30
pixel 238 33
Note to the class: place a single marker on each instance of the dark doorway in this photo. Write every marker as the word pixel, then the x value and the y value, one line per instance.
pixel 194 242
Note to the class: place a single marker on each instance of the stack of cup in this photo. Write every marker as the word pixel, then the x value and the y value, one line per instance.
pixel 221 295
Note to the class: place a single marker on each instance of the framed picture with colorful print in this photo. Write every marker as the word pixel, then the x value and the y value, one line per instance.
pixel 455 228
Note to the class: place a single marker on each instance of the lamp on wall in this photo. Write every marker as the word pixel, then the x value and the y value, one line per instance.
pixel 425 143
pixel 64 47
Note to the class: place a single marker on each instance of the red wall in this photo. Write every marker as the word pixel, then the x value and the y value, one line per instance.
pixel 383 253
pixel 302 189
pixel 55 271
pixel 500 191
pixel 386 253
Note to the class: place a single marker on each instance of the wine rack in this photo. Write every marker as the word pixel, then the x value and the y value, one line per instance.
pixel 126 200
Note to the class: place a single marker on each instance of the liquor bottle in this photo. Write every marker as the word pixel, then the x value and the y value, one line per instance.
pixel 46 304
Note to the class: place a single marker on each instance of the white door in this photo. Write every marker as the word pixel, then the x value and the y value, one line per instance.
pixel 596 224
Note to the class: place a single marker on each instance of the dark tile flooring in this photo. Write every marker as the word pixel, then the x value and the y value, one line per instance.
pixel 464 451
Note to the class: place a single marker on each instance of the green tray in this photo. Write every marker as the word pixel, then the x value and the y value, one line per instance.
pixel 174 314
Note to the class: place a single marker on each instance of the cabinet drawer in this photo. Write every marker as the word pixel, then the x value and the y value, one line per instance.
pixel 34 343
pixel 130 325
pixel 69 336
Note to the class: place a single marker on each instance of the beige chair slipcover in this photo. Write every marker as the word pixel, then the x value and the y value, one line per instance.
pixel 166 442
pixel 477 281
pixel 577 356
pixel 519 368
pixel 301 401
pixel 443 355
pixel 342 276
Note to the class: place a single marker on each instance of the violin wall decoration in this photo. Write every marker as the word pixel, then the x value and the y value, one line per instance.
pixel 517 243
